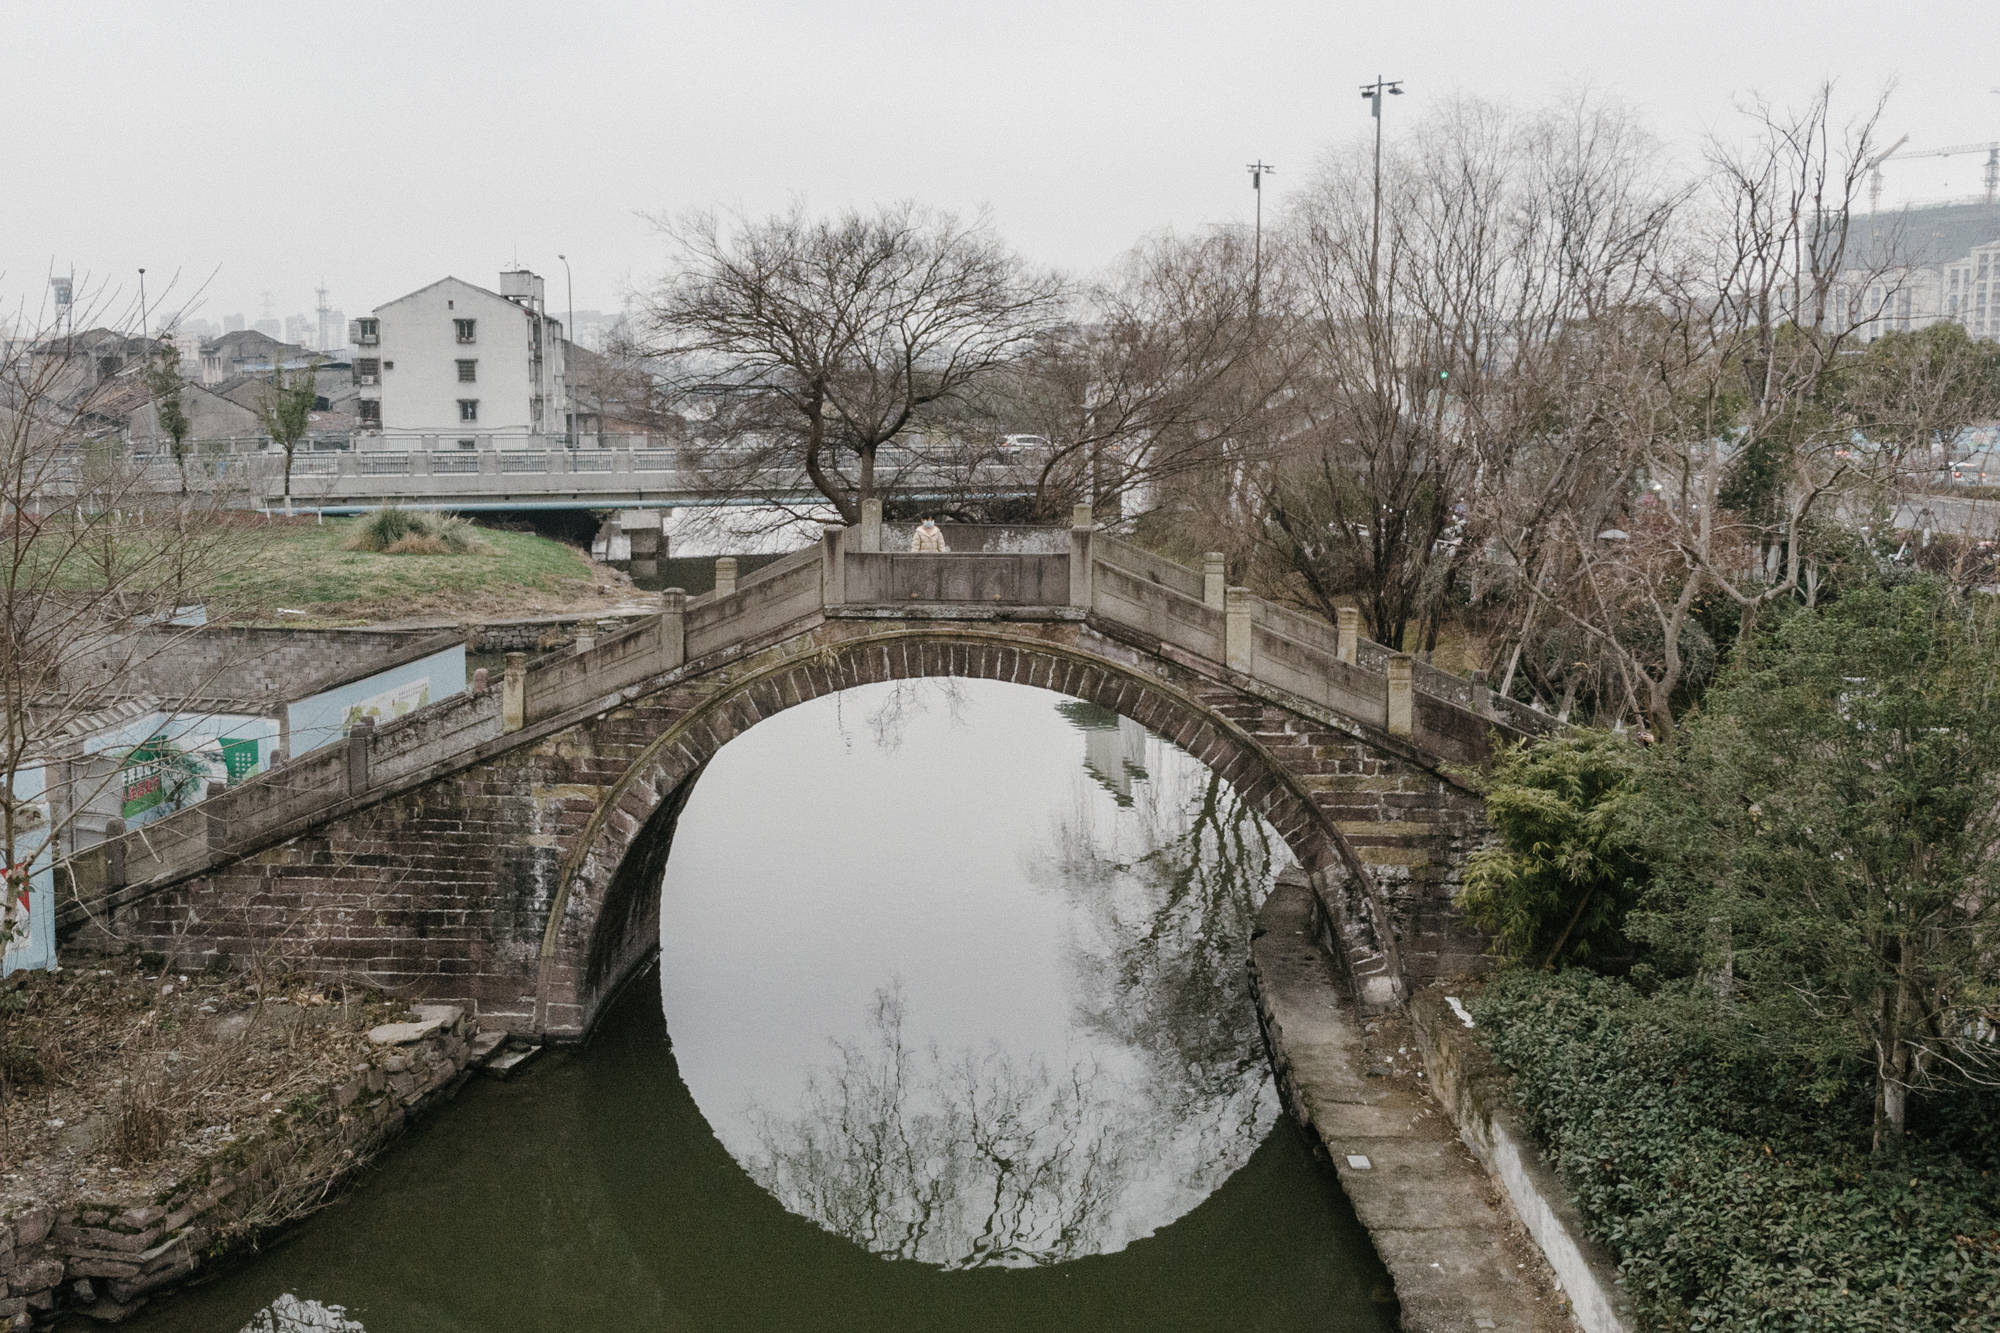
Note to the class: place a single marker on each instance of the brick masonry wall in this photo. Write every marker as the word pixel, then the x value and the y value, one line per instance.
pixel 510 884
pixel 246 665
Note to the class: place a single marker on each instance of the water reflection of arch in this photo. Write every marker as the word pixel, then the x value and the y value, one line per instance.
pixel 604 921
pixel 1275 1246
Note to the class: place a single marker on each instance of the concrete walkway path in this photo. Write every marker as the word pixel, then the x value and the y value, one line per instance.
pixel 1460 1261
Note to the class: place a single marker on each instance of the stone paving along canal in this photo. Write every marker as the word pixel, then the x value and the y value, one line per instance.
pixel 951 1029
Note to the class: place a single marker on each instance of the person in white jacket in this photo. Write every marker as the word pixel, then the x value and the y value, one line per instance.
pixel 928 537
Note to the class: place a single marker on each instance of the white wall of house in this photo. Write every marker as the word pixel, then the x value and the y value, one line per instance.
pixel 422 385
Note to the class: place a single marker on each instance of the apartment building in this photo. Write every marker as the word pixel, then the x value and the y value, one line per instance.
pixel 454 365
pixel 1925 266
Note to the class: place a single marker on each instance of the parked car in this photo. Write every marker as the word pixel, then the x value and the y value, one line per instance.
pixel 1980 469
pixel 1023 443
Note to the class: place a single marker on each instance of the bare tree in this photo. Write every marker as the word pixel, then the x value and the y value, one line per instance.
pixel 1170 369
pixel 809 344
pixel 1439 366
pixel 96 558
pixel 1762 417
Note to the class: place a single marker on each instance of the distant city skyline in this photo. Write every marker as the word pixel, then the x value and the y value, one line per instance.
pixel 1083 126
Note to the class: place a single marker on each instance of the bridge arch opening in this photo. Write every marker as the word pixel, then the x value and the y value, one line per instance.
pixel 604 924
pixel 990 914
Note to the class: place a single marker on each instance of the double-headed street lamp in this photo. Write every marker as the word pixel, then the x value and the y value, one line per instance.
pixel 1373 92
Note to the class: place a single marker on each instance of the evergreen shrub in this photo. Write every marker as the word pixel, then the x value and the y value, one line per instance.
pixel 1731 1197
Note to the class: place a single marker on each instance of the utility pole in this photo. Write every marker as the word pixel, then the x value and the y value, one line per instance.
pixel 1373 92
pixel 1258 170
pixel 569 373
pixel 142 303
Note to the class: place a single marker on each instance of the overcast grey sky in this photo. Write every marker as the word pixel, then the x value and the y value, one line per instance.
pixel 379 146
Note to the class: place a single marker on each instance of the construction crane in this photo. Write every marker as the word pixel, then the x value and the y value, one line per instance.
pixel 1875 173
pixel 1992 151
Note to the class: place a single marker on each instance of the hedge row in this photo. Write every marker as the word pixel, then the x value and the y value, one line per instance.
pixel 1735 1193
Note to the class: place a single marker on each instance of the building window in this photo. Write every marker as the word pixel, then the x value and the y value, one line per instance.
pixel 465 329
pixel 367 370
pixel 468 409
pixel 368 411
pixel 367 332
pixel 468 372
pixel 466 442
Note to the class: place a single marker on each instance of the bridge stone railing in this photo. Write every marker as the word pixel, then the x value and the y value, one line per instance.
pixel 1126 589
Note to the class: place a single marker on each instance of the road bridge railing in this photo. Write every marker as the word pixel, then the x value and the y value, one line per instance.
pixel 1189 616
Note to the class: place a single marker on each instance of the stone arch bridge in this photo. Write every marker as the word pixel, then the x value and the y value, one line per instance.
pixel 503 849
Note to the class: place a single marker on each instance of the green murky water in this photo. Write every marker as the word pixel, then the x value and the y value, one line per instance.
pixel 950 1031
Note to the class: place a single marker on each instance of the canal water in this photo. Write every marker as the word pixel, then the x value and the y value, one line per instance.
pixel 950 1030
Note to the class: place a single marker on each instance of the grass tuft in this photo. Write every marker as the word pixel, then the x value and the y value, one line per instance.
pixel 395 531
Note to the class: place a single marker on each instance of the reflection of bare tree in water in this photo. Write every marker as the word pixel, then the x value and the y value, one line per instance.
pixel 898 703
pixel 968 1162
pixel 1173 891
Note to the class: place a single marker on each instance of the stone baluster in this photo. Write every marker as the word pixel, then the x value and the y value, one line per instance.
pixel 1347 621
pixel 358 741
pixel 833 544
pixel 114 855
pixel 1214 580
pixel 1082 552
pixel 1401 695
pixel 214 827
pixel 479 681
pixel 1482 695
pixel 514 692
pixel 725 575
pixel 1237 652
pixel 871 526
pixel 673 628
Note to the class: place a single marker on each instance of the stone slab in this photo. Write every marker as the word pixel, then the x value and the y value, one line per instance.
pixel 1451 1249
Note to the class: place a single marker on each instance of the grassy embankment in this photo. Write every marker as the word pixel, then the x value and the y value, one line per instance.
pixel 301 571
pixel 305 566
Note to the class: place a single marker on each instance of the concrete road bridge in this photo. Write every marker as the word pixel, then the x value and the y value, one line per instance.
pixel 503 848
pixel 477 479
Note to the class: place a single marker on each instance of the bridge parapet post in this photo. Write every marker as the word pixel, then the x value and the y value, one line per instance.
pixel 1402 694
pixel 725 575
pixel 114 854
pixel 1237 614
pixel 514 692
pixel 673 628
pixel 833 557
pixel 214 828
pixel 1082 552
pixel 1214 580
pixel 871 526
pixel 1482 694
pixel 358 741
pixel 1347 623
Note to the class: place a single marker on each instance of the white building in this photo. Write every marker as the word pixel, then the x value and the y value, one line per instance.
pixel 453 365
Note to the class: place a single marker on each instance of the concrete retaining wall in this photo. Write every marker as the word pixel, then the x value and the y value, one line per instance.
pixel 1473 1091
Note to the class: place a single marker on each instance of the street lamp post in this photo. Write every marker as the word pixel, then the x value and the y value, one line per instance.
pixel 142 303
pixel 569 337
pixel 1373 92
pixel 1258 170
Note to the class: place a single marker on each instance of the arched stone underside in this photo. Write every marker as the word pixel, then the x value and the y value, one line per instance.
pixel 598 932
pixel 525 882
